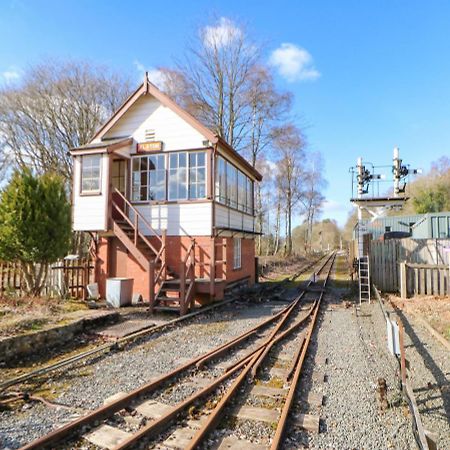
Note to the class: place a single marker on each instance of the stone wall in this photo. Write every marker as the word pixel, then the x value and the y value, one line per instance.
pixel 25 345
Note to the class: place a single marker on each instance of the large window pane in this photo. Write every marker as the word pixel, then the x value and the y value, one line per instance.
pixel 231 185
pixel 242 197
pixel 149 178
pixel 178 176
pixel 221 181
pixel 90 173
pixel 157 184
pixel 197 175
pixel 249 195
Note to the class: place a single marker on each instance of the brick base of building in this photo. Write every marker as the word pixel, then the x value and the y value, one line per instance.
pixel 113 260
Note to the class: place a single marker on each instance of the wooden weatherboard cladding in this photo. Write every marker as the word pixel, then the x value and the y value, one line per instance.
pixel 152 146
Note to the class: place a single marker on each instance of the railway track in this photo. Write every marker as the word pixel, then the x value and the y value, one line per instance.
pixel 104 349
pixel 217 377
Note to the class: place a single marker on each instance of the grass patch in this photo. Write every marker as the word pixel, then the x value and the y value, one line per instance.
pixel 274 382
pixel 25 315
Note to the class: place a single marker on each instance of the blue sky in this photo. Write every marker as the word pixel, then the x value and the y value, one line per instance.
pixel 367 76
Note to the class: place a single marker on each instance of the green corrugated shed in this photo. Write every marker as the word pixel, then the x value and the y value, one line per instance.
pixel 421 226
pixel 433 225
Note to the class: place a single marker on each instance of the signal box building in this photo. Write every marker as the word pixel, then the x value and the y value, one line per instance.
pixel 168 202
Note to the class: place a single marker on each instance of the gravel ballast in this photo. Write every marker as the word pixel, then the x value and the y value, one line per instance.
pixel 87 386
pixel 348 347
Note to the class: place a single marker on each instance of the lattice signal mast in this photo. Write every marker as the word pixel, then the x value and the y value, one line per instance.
pixel 368 181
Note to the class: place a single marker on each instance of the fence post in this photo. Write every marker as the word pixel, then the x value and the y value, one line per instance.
pixel 403 281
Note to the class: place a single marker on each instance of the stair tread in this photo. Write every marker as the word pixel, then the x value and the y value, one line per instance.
pixel 162 298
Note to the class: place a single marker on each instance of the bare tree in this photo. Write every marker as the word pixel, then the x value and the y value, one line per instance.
pixel 311 194
pixel 216 68
pixel 289 145
pixel 267 108
pixel 57 106
pixel 277 230
pixel 262 200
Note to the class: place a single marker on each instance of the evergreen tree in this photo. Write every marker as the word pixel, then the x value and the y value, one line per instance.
pixel 35 225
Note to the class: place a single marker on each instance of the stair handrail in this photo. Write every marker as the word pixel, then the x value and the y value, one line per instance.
pixel 137 213
pixel 135 225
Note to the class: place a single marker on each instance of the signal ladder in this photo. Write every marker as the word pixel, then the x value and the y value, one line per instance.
pixel 363 266
pixel 364 279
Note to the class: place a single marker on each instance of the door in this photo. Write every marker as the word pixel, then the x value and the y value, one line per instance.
pixel 118 181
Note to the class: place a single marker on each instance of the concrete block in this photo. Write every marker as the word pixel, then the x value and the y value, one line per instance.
pixel 266 391
pixel 180 439
pixel 258 414
pixel 307 422
pixel 153 409
pixel 106 436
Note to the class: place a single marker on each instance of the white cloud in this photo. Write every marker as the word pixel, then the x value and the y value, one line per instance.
pixel 139 67
pixel 10 75
pixel 155 76
pixel 294 63
pixel 221 34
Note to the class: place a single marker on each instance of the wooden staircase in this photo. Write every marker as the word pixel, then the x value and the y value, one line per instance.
pixel 167 289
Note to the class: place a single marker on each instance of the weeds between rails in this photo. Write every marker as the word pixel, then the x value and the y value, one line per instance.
pixel 247 363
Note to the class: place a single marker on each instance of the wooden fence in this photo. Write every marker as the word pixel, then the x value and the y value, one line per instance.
pixel 67 277
pixel 423 279
pixel 385 259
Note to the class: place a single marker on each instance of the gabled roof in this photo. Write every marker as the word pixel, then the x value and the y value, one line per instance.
pixel 149 88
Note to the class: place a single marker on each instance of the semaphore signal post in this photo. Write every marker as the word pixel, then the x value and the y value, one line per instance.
pixel 367 195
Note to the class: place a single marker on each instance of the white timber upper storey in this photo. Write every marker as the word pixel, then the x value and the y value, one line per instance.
pixel 175 172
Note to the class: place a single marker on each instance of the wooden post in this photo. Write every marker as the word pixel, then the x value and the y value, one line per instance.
pixel 164 253
pixel 136 222
pixel 182 288
pixel 212 268
pixel 192 262
pixel 151 274
pixel 403 283
pixel 401 339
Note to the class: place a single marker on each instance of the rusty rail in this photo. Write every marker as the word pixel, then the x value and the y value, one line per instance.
pixel 246 363
pixel 256 360
pixel 277 440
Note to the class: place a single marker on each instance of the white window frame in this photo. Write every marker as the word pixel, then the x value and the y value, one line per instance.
pixel 84 159
pixel 194 171
pixel 173 171
pixel 221 180
pixel 148 175
pixel 237 253
pixel 243 187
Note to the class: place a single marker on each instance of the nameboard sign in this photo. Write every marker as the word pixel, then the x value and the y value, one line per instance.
pixel 153 146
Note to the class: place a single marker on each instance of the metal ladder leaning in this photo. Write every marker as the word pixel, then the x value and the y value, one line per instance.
pixel 364 279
